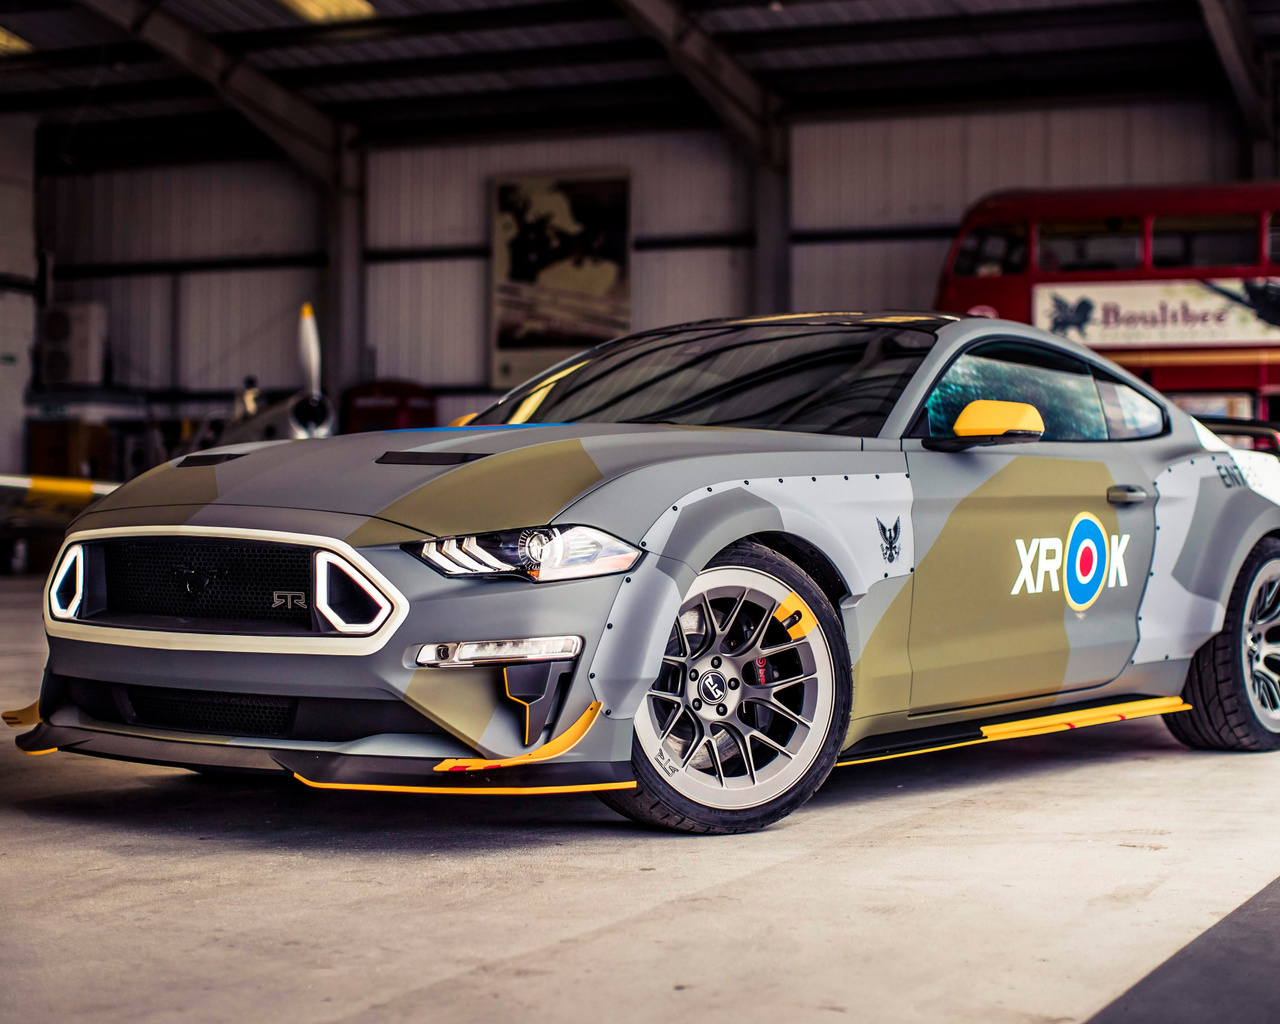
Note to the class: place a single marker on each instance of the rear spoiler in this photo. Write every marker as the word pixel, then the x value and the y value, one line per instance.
pixel 1221 425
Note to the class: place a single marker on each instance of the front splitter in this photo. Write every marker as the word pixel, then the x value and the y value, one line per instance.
pixel 325 770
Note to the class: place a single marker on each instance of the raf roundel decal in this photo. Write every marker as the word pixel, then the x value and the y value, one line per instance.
pixel 1085 570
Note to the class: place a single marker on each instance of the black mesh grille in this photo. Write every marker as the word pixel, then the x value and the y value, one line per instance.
pixel 186 578
pixel 236 714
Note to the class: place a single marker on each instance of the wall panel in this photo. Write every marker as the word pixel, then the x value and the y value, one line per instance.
pixel 682 183
pixel 926 169
pixel 189 212
pixel 244 323
pixel 139 324
pixel 885 173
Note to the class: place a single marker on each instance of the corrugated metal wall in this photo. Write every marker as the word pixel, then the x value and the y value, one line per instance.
pixel 17 268
pixel 427 301
pixel 229 323
pixel 909 172
pixel 427 318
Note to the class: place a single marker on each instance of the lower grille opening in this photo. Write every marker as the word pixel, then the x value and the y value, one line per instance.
pixel 236 714
pixel 329 719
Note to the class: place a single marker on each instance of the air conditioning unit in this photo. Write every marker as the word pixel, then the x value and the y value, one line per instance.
pixel 72 344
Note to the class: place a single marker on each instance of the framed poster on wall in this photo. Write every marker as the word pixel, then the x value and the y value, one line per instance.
pixel 561 268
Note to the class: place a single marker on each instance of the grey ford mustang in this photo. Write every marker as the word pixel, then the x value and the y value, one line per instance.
pixel 691 570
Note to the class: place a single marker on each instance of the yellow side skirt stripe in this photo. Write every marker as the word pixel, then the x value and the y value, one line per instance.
pixel 590 787
pixel 1048 723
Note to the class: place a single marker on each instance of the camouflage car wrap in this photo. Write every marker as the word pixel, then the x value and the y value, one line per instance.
pixel 949 571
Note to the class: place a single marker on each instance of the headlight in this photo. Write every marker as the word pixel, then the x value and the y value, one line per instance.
pixel 540 553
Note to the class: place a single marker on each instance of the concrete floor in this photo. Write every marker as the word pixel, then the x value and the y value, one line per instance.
pixel 1028 881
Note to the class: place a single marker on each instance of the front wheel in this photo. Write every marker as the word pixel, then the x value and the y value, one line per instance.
pixel 747 715
pixel 1233 685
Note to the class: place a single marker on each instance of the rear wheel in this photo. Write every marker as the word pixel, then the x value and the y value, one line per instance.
pixel 1233 685
pixel 747 715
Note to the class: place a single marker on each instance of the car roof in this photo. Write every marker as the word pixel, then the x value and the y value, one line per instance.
pixel 913 319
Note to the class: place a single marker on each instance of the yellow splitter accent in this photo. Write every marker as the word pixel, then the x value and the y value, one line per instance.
pixel 1048 723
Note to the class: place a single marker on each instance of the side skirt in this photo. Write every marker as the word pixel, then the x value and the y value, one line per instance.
pixel 906 744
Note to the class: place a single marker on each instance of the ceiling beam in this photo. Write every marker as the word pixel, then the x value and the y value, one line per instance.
pixel 1250 79
pixel 1146 16
pixel 746 106
pixel 306 134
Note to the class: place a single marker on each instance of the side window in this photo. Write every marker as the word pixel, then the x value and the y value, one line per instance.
pixel 1129 413
pixel 1058 385
pixel 992 251
pixel 1110 243
pixel 1228 240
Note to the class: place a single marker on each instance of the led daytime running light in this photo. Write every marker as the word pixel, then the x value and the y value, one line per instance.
pixel 480 652
pixel 541 554
pixel 72 561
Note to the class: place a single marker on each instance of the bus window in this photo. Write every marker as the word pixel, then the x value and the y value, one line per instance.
pixel 992 251
pixel 1273 241
pixel 1223 240
pixel 1111 243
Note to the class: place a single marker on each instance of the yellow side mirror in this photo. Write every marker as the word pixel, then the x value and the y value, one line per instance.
pixel 986 422
pixel 464 419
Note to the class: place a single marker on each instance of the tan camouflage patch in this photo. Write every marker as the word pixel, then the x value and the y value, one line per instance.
pixel 882 676
pixel 972 641
pixel 165 485
pixel 461 700
pixel 525 487
pixel 373 532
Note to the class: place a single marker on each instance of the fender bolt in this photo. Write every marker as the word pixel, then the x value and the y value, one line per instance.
pixel 722 709
pixel 734 684
pixel 715 662
pixel 697 704
pixel 693 673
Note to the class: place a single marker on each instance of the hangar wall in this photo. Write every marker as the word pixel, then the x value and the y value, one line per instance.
pixel 202 269
pixel 896 188
pixel 211 262
pixel 17 281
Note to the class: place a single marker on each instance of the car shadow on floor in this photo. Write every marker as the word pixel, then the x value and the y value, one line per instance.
pixel 174 805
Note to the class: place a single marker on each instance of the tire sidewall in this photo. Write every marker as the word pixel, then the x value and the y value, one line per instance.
pixel 1267 550
pixel 749 555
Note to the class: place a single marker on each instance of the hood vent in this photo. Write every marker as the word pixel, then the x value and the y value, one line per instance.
pixel 429 458
pixel 192 461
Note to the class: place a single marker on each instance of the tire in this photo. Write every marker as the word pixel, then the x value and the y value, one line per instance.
pixel 1233 684
pixel 748 715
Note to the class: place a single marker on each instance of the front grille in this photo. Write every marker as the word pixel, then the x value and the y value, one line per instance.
pixel 188 578
pixel 236 714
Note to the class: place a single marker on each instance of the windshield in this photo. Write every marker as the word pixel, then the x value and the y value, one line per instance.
pixel 816 379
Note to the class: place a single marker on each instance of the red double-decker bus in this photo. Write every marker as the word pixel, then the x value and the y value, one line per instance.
pixel 1180 283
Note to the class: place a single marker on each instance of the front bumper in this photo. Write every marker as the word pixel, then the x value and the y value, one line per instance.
pixel 479 721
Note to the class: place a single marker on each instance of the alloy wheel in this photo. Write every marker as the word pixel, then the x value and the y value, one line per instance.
pixel 743 703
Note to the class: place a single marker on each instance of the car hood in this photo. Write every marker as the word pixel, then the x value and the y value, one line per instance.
pixel 445 481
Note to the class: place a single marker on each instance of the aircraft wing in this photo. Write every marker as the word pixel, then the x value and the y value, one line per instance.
pixel 46 502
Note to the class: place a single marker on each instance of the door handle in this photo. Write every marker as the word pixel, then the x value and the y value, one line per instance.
pixel 1126 494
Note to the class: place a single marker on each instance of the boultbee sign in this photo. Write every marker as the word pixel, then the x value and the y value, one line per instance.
pixel 1160 314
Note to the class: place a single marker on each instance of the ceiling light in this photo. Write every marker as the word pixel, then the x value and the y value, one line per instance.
pixel 331 10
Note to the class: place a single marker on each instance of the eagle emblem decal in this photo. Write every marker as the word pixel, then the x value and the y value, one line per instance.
pixel 890 540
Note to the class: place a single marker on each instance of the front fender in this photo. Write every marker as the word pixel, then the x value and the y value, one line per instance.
pixel 836 513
